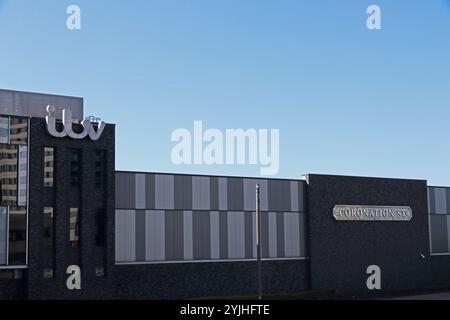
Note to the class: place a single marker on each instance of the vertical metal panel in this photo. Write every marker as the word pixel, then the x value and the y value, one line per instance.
pixel 248 221
pixel 279 195
pixel 215 235
pixel 441 200
pixel 302 195
pixel 140 191
pixel 236 237
pixel 188 236
pixel 302 234
pixel 223 194
pixel 254 234
pixel 125 189
pixel 201 193
pixel 280 234
pixel 201 235
pixel 439 234
pixel 125 239
pixel 150 191
pixel 140 235
pixel 272 234
pixel 223 237
pixel 154 235
pixel 430 201
pixel 448 233
pixel 183 192
pixel 291 234
pixel 235 194
pixel 265 234
pixel 174 234
pixel 164 192
pixel 214 193
pixel 295 204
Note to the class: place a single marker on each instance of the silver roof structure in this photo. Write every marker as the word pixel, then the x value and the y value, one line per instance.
pixel 29 104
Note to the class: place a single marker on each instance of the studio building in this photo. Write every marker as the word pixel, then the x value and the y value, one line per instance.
pixel 136 235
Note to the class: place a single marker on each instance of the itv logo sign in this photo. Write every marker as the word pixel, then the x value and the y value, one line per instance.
pixel 67 129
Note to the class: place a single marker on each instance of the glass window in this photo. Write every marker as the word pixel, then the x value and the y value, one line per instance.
pixel 47 237
pixel 18 131
pixel 8 175
pixel 23 176
pixel 4 130
pixel 74 227
pixel 17 235
pixel 49 167
pixel 100 228
pixel 75 167
pixel 99 168
pixel 3 234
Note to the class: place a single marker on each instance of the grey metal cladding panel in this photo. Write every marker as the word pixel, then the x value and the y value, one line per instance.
pixel 447 197
pixel 214 193
pixel 174 236
pixel 302 188
pixel 248 221
pixel 201 193
pixel 140 235
pixel 183 192
pixel 235 194
pixel 34 104
pixel 279 195
pixel 265 234
pixel 302 234
pixel 150 191
pixel 223 236
pixel 125 190
pixel 439 236
pixel 164 192
pixel 280 234
pixel 440 195
pixel 202 235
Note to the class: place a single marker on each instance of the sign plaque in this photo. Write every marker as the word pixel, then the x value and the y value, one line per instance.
pixel 372 213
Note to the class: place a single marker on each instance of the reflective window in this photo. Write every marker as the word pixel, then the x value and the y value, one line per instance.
pixel 4 130
pixel 48 234
pixel 8 175
pixel 49 166
pixel 74 227
pixel 100 235
pixel 18 131
pixel 75 167
pixel 100 168
pixel 17 235
pixel 23 176
pixel 3 235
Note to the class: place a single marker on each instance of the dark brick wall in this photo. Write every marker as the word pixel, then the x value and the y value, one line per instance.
pixel 221 279
pixel 341 251
pixel 88 198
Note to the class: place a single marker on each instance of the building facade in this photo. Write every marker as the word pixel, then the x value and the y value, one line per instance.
pixel 140 235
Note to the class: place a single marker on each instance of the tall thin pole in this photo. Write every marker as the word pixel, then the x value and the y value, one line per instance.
pixel 258 241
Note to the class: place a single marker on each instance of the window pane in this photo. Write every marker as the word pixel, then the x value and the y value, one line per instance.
pixel 49 160
pixel 4 129
pixel 3 229
pixel 8 175
pixel 19 131
pixel 23 176
pixel 74 227
pixel 17 235
pixel 100 228
pixel 47 238
pixel 75 167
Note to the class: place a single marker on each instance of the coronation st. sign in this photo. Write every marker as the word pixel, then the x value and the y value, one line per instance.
pixel 372 213
pixel 67 130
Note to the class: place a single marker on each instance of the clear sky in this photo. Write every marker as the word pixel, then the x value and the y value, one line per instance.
pixel 346 100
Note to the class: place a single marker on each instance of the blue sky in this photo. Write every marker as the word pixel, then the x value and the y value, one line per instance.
pixel 346 100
